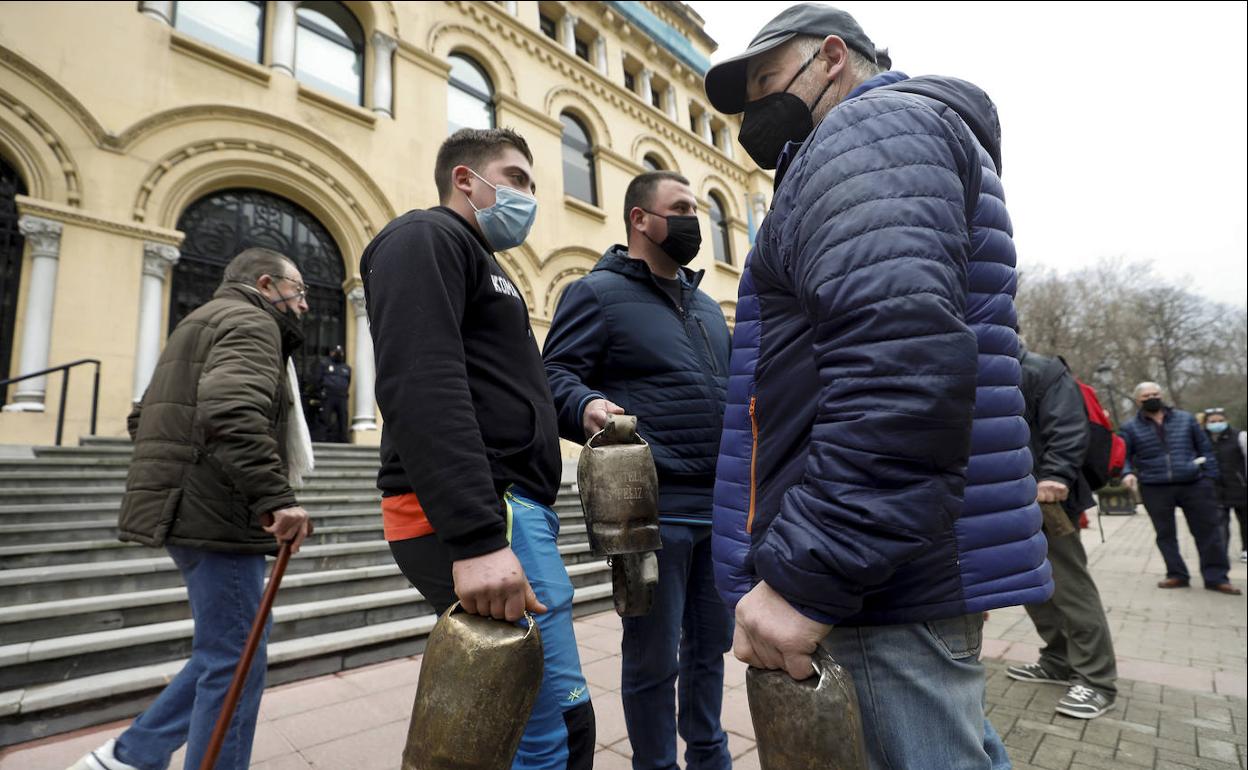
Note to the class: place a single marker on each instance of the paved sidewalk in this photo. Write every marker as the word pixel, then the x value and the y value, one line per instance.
pixel 1182 704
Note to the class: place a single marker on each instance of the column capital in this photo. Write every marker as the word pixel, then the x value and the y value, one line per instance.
pixel 383 42
pixel 356 296
pixel 44 235
pixel 157 257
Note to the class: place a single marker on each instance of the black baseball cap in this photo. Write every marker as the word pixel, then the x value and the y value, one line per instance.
pixel 725 82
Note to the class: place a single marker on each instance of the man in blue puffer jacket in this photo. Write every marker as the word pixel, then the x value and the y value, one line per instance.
pixel 1170 460
pixel 874 489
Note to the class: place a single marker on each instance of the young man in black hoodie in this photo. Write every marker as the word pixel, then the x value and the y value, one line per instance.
pixel 637 336
pixel 470 448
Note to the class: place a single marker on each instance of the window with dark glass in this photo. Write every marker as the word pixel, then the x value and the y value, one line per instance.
pixel 719 230
pixel 656 97
pixel 221 224
pixel 470 97
pixel 630 81
pixel 652 163
pixel 578 161
pixel 548 26
pixel 582 49
pixel 236 26
pixel 693 121
pixel 329 50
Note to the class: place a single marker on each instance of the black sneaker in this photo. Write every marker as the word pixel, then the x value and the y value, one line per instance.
pixel 1034 672
pixel 1082 702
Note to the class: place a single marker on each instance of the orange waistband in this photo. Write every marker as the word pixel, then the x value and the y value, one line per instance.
pixel 402 518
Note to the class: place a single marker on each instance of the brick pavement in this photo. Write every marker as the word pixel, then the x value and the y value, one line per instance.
pixel 1182 703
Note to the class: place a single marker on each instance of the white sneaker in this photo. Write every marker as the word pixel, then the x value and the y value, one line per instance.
pixel 102 759
pixel 1083 702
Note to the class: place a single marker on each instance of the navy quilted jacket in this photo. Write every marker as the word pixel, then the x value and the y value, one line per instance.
pixel 874 466
pixel 617 335
pixel 1171 460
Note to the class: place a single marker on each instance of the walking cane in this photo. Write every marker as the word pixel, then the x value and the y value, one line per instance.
pixel 244 663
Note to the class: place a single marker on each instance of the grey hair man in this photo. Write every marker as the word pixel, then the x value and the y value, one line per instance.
pixel 215 450
pixel 1171 462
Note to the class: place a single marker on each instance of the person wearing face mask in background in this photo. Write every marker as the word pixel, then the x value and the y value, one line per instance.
pixel 874 493
pixel 219 446
pixel 1230 446
pixel 470 447
pixel 1171 462
pixel 637 336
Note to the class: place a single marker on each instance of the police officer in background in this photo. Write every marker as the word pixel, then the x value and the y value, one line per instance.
pixel 333 379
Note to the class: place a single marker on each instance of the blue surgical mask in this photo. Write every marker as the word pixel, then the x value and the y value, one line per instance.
pixel 507 223
pixel 1217 427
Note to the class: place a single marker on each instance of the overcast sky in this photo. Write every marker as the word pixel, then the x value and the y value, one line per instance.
pixel 1123 124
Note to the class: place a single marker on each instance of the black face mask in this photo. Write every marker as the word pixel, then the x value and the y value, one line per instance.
pixel 775 120
pixel 1152 405
pixel 684 238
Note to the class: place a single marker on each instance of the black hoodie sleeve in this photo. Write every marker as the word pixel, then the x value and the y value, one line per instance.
pixel 419 278
pixel 1062 422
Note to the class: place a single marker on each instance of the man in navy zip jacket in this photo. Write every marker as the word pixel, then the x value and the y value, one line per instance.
pixel 874 490
pixel 637 336
pixel 1171 461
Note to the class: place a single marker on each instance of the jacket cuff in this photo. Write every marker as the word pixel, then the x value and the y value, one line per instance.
pixel 580 408
pixel 273 503
pixel 488 542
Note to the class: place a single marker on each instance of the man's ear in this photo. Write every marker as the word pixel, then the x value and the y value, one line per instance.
pixel 635 217
pixel 836 54
pixel 461 179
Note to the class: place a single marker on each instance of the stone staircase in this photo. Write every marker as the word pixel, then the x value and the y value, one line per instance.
pixel 91 628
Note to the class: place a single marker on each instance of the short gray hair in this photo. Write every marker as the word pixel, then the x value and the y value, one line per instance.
pixel 862 68
pixel 1143 386
pixel 252 263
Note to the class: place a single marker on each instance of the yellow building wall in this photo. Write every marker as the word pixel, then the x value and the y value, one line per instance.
pixel 117 122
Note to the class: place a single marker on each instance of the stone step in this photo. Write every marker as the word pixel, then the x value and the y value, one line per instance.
pixel 44 709
pixel 44 620
pixel 24 664
pixel 74 581
pixel 71 482
pixel 111 549
pixel 47 620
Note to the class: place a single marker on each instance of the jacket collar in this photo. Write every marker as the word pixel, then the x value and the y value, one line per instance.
pixel 791 149
pixel 287 325
pixel 616 260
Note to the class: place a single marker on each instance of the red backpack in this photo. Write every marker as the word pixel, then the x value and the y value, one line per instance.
pixel 1107 452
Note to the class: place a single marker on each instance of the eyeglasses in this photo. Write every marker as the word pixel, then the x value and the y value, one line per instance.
pixel 1216 410
pixel 301 289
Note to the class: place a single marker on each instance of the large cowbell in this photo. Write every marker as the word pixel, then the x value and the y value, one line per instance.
pixel 814 724
pixel 478 681
pixel 620 497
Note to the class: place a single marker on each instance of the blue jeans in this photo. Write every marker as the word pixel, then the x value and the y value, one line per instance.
pixel 686 633
pixel 921 690
pixel 225 591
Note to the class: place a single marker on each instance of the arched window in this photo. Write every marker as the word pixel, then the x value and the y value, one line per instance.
pixel 236 26
pixel 470 98
pixel 220 225
pixel 578 161
pixel 11 244
pixel 719 230
pixel 652 162
pixel 329 50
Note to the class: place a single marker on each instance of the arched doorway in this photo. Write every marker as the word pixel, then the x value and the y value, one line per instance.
pixel 220 225
pixel 11 243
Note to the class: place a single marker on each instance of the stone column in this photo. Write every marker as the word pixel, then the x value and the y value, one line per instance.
pixel 284 26
pixel 567 32
pixel 647 92
pixel 365 400
pixel 44 237
pixel 670 103
pixel 600 54
pixel 512 7
pixel 383 73
pixel 157 259
pixel 160 10
pixel 704 128
pixel 725 141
